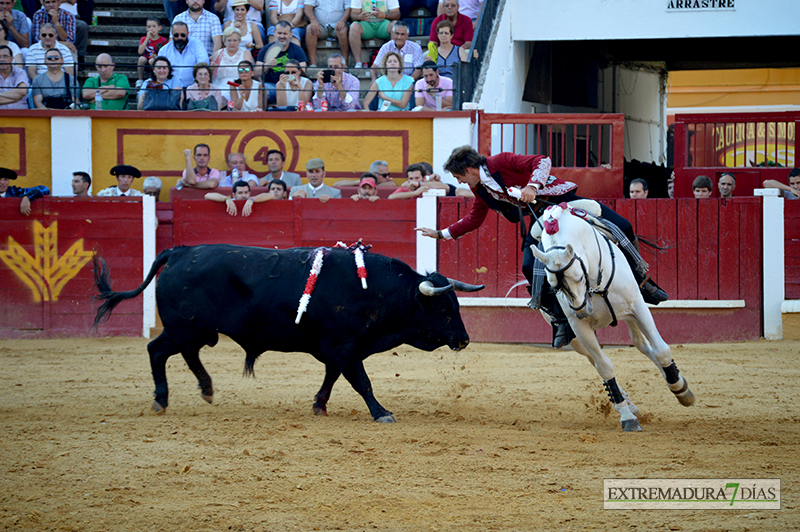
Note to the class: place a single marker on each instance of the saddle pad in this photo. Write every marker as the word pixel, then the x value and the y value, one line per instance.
pixel 588 205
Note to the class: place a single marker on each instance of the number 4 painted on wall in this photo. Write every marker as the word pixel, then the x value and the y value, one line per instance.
pixel 261 155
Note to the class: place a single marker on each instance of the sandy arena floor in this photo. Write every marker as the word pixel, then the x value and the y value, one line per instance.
pixel 492 438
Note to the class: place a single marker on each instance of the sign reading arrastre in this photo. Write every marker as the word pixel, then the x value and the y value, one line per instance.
pixel 700 5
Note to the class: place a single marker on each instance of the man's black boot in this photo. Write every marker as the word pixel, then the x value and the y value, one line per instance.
pixel 651 292
pixel 561 333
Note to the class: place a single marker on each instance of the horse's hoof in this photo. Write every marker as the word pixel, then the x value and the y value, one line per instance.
pixel 388 418
pixel 631 425
pixel 633 407
pixel 685 398
pixel 207 398
pixel 320 410
pixel 158 409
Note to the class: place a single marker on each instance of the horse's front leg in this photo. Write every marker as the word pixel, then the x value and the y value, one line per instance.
pixel 605 369
pixel 580 348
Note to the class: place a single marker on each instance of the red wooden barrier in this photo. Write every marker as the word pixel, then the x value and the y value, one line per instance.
pixel 792 248
pixel 48 286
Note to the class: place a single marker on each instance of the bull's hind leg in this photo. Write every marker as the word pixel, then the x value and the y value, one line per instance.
pixel 324 393
pixel 160 350
pixel 192 358
pixel 605 368
pixel 647 339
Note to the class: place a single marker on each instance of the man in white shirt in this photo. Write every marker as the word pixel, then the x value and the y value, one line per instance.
pixel 125 176
pixel 237 171
pixel 326 18
pixel 183 53
pixel 410 51
pixel 35 63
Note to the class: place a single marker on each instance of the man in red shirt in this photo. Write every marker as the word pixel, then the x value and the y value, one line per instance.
pixel 490 178
pixel 464 31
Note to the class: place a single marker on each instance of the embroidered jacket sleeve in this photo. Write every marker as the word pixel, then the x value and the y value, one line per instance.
pixel 33 193
pixel 524 170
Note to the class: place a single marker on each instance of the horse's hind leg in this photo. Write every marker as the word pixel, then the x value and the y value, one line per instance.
pixel 192 358
pixel 647 339
pixel 605 368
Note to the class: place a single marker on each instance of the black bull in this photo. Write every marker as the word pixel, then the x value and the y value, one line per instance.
pixel 252 295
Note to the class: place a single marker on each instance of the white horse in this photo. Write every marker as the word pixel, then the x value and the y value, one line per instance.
pixel 595 288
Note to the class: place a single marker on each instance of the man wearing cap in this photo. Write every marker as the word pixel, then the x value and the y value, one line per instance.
pixel 125 176
pixel 316 187
pixel 27 194
pixel 241 191
pixel 726 185
pixel 367 190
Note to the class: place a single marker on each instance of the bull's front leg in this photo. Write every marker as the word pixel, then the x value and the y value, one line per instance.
pixel 356 375
pixel 324 393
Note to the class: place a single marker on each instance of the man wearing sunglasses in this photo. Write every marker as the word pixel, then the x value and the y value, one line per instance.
pixel 183 54
pixel 35 61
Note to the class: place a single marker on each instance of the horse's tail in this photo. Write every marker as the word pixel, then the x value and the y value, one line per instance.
pixel 112 299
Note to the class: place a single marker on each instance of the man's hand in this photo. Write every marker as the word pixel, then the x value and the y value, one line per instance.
pixel 374 198
pixel 187 153
pixel 248 207
pixel 230 206
pixel 314 28
pixel 53 14
pixel 432 233
pixel 336 79
pixel 25 206
pixel 528 194
pixel 300 194
pixel 340 25
pixel 324 198
pixel 365 15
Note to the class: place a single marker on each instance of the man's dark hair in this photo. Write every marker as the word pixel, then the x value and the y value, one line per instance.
pixel 702 181
pixel 283 24
pixel 641 181
pixel 463 158
pixel 279 152
pixel 416 167
pixel 180 23
pixel 429 64
pixel 366 175
pixel 240 184
pixel 86 178
pixel 794 172
pixel 202 146
pixel 6 47
pixel 428 167
pixel 154 19
pixel 280 182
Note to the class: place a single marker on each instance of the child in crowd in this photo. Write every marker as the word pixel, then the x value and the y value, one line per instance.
pixel 149 45
pixel 702 187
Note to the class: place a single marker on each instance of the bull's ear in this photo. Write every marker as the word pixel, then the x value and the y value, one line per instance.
pixel 426 288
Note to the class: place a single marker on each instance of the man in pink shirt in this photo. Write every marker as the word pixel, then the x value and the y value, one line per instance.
pixel 13 82
pixel 200 176
pixel 431 84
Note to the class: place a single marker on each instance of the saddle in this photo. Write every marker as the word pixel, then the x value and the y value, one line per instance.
pixel 588 205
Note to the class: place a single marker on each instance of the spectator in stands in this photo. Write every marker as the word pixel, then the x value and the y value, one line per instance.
pixel 270 70
pixel 17 23
pixel 342 93
pixel 81 26
pixel 237 168
pixel 671 185
pixel 62 20
pixel 174 7
pixel 183 53
pixel 204 26
pixel 226 60
pixel 316 187
pixel 152 187
pixel 469 8
pixel 246 93
pixel 702 187
pixel 638 189
pixel 241 191
pixel 326 18
pixel 149 47
pixel 433 87
pixel 447 54
pixel 16 53
pixel 291 11
pixel 28 195
pixel 371 20
pixel 416 183
pixel 202 95
pixel 278 189
pixel 112 87
pixel 367 189
pixel 407 6
pixel 13 82
pixel 409 51
pixel 199 176
pixel 53 89
pixel 275 161
pixel 164 91
pixel 463 31
pixel 254 10
pixel 249 30
pixel 434 180
pixel 125 176
pixel 292 88
pixel 35 61
pixel 726 185
pixel 81 183
pixel 393 89
pixel 790 192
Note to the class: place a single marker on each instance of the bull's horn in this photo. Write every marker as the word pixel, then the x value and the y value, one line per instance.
pixel 464 287
pixel 426 288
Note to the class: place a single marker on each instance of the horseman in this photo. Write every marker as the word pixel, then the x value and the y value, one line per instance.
pixel 490 179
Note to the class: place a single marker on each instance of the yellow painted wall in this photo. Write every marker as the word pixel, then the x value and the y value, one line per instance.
pixel 348 146
pixel 25 148
pixel 729 88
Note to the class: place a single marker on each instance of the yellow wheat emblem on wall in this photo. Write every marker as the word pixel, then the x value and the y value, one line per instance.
pixel 45 273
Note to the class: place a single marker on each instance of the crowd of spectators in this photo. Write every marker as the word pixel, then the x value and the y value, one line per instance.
pixel 228 59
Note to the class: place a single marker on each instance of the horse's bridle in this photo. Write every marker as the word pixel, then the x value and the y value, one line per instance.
pixel 589 292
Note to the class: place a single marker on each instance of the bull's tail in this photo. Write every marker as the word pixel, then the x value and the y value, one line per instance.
pixel 112 299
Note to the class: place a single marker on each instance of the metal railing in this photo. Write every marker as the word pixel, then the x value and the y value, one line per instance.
pixel 466 74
